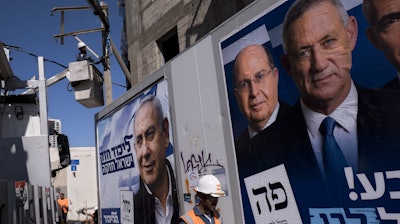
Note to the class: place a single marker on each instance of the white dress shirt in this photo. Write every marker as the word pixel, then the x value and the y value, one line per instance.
pixel 345 131
pixel 161 216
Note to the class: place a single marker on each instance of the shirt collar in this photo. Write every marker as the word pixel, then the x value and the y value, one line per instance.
pixel 271 120
pixel 345 114
pixel 197 212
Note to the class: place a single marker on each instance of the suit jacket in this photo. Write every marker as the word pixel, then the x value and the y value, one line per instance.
pixel 378 122
pixel 242 143
pixel 393 84
pixel 244 157
pixel 145 203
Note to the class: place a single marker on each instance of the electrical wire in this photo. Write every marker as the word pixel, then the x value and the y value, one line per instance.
pixel 32 54
pixel 20 49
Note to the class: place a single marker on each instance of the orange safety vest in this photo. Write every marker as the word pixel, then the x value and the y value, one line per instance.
pixel 191 218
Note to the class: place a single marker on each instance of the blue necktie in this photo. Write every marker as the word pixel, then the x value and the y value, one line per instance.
pixel 333 158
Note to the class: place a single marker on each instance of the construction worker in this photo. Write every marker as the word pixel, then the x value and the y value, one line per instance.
pixel 63 207
pixel 83 55
pixel 208 191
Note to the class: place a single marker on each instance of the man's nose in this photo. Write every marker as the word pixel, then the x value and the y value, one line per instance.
pixel 146 148
pixel 318 60
pixel 253 88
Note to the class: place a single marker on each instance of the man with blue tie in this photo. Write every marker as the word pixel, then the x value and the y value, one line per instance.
pixel 335 124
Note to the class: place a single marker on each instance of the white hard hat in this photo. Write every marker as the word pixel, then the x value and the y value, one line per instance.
pixel 81 44
pixel 209 184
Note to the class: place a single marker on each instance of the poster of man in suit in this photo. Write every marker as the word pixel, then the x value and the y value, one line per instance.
pixel 136 160
pixel 285 171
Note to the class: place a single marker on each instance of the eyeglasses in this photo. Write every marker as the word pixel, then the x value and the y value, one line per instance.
pixel 243 86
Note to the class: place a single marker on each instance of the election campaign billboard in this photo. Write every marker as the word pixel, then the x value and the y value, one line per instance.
pixel 282 165
pixel 133 154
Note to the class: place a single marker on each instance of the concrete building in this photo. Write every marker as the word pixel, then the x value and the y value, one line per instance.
pixel 78 182
pixel 156 31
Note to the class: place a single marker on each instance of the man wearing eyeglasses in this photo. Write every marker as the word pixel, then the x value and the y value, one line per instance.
pixel 255 78
pixel 336 127
pixel 383 32
pixel 256 90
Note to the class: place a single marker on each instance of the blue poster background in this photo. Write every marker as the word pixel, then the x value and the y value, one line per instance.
pixel 370 70
pixel 117 163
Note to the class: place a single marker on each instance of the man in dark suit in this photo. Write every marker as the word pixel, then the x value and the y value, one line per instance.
pixel 156 200
pixel 255 79
pixel 383 32
pixel 318 38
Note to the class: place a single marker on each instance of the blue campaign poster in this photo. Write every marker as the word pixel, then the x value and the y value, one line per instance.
pixel 280 185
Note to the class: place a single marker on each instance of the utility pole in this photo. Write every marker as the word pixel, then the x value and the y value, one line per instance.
pixel 106 52
pixel 101 10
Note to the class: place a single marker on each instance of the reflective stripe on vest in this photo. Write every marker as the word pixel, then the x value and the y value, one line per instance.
pixel 191 218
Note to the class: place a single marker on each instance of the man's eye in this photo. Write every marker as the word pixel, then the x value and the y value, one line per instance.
pixel 303 53
pixel 150 134
pixel 329 42
pixel 243 85
pixel 259 77
pixel 389 21
pixel 138 141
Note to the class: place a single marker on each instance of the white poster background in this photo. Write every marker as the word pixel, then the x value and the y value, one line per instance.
pixel 271 197
pixel 127 211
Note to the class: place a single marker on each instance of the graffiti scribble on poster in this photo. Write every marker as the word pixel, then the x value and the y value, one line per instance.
pixel 199 162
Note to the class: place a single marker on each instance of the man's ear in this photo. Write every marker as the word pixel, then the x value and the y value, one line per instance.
pixel 372 37
pixel 352 30
pixel 165 125
pixel 275 73
pixel 286 64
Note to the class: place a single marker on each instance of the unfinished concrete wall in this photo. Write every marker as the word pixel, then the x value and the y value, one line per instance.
pixel 149 20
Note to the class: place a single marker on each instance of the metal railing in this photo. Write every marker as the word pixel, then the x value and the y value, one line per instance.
pixel 22 203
